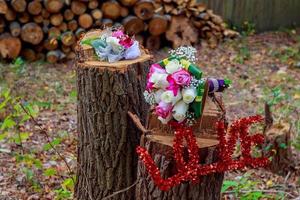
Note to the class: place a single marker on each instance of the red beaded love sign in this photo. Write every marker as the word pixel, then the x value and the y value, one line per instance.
pixel 191 170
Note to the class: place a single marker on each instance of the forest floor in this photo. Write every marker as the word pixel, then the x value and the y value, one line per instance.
pixel 263 67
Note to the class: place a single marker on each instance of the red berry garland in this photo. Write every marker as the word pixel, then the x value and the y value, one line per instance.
pixel 191 170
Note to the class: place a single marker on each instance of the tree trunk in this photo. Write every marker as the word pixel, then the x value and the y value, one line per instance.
pixel 107 161
pixel 159 146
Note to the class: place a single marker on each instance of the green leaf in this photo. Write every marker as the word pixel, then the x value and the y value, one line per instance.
pixel 21 137
pixel 29 173
pixel 283 145
pixel 68 184
pixel 50 172
pixel 228 184
pixel 8 123
pixel 54 142
pixel 3 136
pixel 37 163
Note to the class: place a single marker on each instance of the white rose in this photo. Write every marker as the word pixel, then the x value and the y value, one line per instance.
pixel 165 121
pixel 173 66
pixel 157 95
pixel 189 94
pixel 180 110
pixel 114 43
pixel 169 97
pixel 159 80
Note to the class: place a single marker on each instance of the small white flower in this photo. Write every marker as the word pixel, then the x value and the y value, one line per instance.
pixel 114 43
pixel 159 80
pixel 189 94
pixel 179 111
pixel 173 66
pixel 169 97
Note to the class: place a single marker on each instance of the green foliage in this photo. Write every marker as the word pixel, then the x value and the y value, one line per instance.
pixel 248 28
pixel 244 188
pixel 243 54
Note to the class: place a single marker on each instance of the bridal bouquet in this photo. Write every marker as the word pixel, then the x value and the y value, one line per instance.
pixel 175 87
pixel 114 45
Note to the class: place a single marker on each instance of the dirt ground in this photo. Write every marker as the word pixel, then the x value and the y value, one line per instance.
pixel 258 65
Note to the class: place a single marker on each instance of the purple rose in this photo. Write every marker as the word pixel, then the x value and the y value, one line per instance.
pixel 181 77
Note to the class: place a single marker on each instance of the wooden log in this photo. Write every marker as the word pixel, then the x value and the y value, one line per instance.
pixel 15 29
pixel 144 9
pixel 158 25
pixel 53 6
pixel 2 24
pixel 79 32
pixel 181 32
pixel 35 7
pixel 97 23
pixel 63 27
pixel 68 38
pixel 93 4
pixel 68 15
pixel 66 49
pixel 38 19
pixel 78 7
pixel 54 56
pixel 124 12
pixel 111 9
pixel 107 23
pixel 10 15
pixel 72 25
pixel 153 42
pixel 56 19
pixel 10 47
pixel 40 56
pixel 85 21
pixel 45 14
pixel 97 14
pixel 110 90
pixel 159 144
pixel 54 32
pixel 133 25
pixel 19 5
pixel 51 43
pixel 140 39
pixel 3 7
pixel 32 33
pixel 71 55
pixel 23 17
pixel 28 54
pixel 128 3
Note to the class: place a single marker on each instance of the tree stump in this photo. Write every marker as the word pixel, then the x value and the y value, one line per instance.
pixel 159 146
pixel 107 138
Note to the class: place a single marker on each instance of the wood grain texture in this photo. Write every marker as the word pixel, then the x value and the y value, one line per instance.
pixel 107 137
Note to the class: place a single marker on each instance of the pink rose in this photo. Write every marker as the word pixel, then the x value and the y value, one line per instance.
pixel 163 109
pixel 156 68
pixel 126 41
pixel 117 33
pixel 172 85
pixel 181 77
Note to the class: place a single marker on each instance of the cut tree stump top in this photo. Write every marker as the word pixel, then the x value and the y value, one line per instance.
pixel 86 55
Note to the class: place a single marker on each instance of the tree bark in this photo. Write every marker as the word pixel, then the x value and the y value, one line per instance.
pixel 107 161
pixel 159 145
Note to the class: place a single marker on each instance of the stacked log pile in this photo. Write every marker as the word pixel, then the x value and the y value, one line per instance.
pixel 38 29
